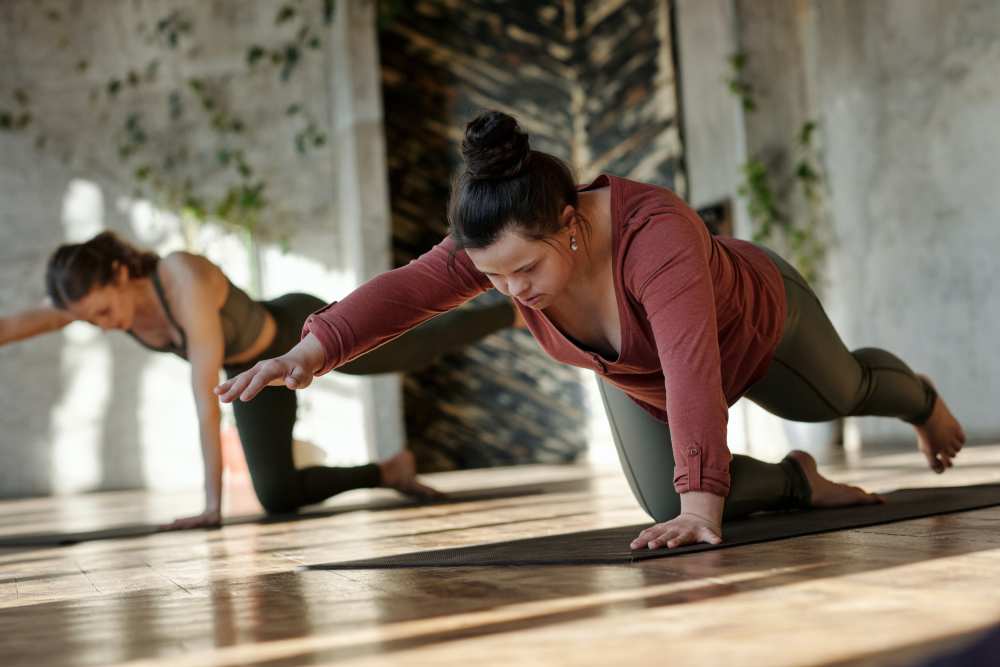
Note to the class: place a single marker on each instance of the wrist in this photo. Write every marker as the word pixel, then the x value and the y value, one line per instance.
pixel 704 505
pixel 312 356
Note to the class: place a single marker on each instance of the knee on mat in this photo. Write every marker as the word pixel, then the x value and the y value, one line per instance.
pixel 278 502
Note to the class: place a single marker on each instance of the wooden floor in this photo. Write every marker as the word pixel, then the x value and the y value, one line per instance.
pixel 872 596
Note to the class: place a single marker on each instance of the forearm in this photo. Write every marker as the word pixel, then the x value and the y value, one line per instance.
pixel 31 323
pixel 210 418
pixel 393 303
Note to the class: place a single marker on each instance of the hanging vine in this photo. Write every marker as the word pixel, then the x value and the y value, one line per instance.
pixel 801 238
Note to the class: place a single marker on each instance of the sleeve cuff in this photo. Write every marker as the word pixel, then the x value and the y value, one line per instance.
pixel 324 333
pixel 692 475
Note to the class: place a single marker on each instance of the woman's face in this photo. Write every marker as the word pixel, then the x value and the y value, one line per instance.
pixel 107 307
pixel 535 273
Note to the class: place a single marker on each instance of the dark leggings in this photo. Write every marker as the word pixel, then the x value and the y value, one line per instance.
pixel 813 377
pixel 265 424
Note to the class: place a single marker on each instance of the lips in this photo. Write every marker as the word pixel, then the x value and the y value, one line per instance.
pixel 530 302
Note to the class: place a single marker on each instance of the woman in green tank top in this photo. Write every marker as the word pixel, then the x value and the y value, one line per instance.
pixel 185 305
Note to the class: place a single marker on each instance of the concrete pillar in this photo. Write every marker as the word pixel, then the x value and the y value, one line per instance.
pixel 714 135
pixel 363 220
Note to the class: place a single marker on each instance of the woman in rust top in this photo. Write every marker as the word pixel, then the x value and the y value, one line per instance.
pixel 624 279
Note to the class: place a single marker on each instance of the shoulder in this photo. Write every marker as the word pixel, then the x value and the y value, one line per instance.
pixel 664 241
pixel 184 273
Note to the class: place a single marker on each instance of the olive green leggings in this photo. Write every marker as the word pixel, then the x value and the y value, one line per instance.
pixel 813 377
pixel 265 424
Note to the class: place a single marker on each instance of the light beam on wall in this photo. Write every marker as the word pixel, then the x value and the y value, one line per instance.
pixel 77 420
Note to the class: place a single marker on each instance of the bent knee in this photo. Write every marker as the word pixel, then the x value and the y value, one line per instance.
pixel 277 502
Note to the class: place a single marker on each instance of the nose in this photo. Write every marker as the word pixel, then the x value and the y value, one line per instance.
pixel 518 287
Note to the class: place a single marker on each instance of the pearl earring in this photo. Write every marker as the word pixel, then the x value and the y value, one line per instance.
pixel 572 241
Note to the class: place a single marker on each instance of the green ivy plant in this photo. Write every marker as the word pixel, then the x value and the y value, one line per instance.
pixel 163 168
pixel 772 226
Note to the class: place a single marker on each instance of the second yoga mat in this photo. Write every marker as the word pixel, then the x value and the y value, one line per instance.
pixel 611 546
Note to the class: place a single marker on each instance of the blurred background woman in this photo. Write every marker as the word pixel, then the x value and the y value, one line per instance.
pixel 184 304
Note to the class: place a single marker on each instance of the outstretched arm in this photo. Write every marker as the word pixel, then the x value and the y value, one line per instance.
pixel 32 322
pixel 379 311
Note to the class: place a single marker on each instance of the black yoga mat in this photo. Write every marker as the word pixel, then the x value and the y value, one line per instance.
pixel 611 546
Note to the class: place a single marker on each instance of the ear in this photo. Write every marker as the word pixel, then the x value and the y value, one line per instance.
pixel 569 217
pixel 121 273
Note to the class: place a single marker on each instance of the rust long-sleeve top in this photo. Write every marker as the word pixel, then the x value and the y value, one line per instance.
pixel 700 319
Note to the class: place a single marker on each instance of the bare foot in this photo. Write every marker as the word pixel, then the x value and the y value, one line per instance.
pixel 830 494
pixel 400 473
pixel 941 437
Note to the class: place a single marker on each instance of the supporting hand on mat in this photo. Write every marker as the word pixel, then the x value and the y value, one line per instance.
pixel 294 370
pixel 699 522
pixel 209 519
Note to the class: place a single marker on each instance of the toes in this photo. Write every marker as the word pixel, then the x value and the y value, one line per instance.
pixel 933 462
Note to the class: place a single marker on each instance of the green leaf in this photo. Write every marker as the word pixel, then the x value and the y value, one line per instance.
pixel 292 55
pixel 255 53
pixel 286 13
pixel 293 109
pixel 23 121
pixel 328 11
pixel 176 108
pixel 805 134
pixel 6 121
pixel 114 86
pixel 82 65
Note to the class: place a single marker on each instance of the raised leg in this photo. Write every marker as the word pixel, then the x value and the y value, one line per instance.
pixel 814 377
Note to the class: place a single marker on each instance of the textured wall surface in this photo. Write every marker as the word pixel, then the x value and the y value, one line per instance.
pixel 909 96
pixel 906 97
pixel 593 83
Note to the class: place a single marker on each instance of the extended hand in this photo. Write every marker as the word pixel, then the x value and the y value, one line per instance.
pixel 294 370
pixel 207 520
pixel 685 529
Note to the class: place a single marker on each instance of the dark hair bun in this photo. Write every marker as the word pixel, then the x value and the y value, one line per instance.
pixel 494 146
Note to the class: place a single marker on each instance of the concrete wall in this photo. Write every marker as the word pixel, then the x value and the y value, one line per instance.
pixel 909 97
pixel 906 98
pixel 83 411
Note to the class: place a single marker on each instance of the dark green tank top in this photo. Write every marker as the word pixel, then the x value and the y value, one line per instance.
pixel 242 321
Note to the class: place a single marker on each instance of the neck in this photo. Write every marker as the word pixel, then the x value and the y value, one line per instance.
pixel 596 245
pixel 146 301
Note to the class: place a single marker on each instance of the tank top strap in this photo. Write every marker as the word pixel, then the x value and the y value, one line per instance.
pixel 155 275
